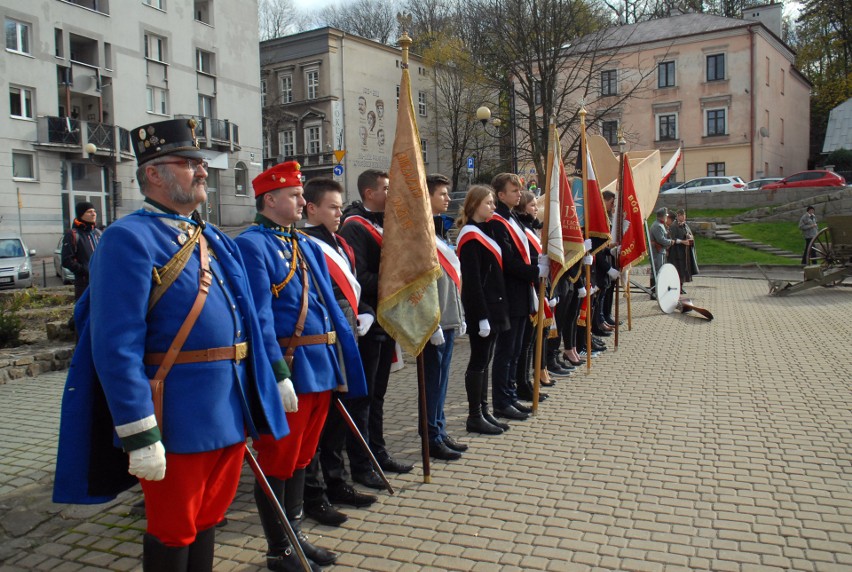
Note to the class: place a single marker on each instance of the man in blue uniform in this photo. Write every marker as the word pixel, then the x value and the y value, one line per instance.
pixel 170 342
pixel 294 298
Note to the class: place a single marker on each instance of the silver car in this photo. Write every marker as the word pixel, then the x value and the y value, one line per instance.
pixel 62 272
pixel 16 269
pixel 708 185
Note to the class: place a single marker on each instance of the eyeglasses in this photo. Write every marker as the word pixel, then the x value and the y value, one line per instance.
pixel 191 164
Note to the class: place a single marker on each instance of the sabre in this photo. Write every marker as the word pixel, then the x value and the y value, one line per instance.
pixel 354 428
pixel 267 490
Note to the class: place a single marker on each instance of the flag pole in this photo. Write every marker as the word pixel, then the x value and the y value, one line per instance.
pixel 584 154
pixel 619 227
pixel 629 309
pixel 542 300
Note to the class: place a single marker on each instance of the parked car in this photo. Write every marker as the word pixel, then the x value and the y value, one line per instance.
pixel 62 272
pixel 819 178
pixel 759 183
pixel 708 185
pixel 16 269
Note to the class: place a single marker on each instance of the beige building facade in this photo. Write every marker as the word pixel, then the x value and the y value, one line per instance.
pixel 330 102
pixel 81 72
pixel 724 89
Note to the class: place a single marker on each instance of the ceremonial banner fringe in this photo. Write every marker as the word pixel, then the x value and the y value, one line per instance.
pixel 408 292
pixel 634 247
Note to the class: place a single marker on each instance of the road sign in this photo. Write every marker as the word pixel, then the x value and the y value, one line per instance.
pixel 470 163
pixel 338 155
pixel 338 170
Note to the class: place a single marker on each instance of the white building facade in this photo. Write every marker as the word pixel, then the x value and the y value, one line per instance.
pixel 82 72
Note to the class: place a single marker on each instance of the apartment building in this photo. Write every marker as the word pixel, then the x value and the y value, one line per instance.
pixel 82 73
pixel 330 101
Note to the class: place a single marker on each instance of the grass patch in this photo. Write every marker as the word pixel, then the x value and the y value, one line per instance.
pixel 712 251
pixel 785 235
pixel 715 213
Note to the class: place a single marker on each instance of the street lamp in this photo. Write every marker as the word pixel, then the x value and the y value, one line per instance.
pixel 483 115
pixel 112 166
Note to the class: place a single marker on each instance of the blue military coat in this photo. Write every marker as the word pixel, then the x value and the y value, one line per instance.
pixel 315 367
pixel 206 406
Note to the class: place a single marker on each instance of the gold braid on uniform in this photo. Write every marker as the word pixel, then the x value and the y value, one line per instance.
pixel 297 261
pixel 166 275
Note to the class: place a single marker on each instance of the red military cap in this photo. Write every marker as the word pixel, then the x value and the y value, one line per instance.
pixel 278 176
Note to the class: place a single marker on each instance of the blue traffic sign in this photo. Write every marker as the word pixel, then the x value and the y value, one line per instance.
pixel 470 162
pixel 338 170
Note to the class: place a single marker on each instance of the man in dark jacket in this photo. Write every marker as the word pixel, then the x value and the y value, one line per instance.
pixel 79 244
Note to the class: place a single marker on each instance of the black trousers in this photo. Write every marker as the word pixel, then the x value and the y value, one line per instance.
pixel 507 351
pixel 481 351
pixel 572 313
pixel 368 412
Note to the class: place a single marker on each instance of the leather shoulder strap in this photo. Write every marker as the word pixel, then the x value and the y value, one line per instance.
pixel 166 275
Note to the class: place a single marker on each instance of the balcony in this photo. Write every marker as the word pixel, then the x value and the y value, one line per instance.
pixel 72 135
pixel 219 134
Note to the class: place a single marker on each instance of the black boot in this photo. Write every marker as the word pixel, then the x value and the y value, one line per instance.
pixel 157 557
pixel 294 494
pixel 484 405
pixel 476 423
pixel 201 551
pixel 280 555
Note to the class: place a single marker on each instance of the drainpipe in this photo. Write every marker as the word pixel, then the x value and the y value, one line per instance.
pixel 751 93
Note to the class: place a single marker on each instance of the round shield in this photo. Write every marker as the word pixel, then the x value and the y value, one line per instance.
pixel 668 288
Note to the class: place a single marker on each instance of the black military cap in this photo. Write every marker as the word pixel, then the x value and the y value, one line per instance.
pixel 171 137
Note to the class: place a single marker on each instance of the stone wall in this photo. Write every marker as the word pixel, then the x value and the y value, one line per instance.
pixel 832 201
pixel 16 363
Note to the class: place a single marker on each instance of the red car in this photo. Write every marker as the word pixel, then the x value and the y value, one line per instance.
pixel 808 179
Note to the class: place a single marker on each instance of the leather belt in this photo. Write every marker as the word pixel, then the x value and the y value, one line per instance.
pixel 328 339
pixel 237 353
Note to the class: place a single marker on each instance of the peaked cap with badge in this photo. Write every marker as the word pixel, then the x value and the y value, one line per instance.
pixel 280 176
pixel 170 137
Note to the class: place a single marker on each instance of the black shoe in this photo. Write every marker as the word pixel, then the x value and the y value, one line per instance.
pixel 526 395
pixel 391 465
pixel 369 479
pixel 441 451
pixel 564 363
pixel 325 513
pixel 598 346
pixel 601 333
pixel 316 554
pixel 346 494
pixel 493 420
pixel 511 412
pixel 478 424
pixel 556 371
pixel 287 561
pixel 454 445
pixel 521 407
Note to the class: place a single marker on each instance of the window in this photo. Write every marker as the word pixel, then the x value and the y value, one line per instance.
pixel 782 130
pixel 397 97
pixel 285 88
pixel 205 106
pixel 783 80
pixel 312 84
pixel 240 179
pixel 767 70
pixel 716 124
pixel 21 102
pixel 287 143
pixel 23 166
pixel 609 82
pixel 204 62
pixel 716 67
pixel 421 103
pixel 156 4
pixel 263 93
pixel 609 131
pixel 666 74
pixel 59 43
pixel 155 47
pixel 537 92
pixel 158 100
pixel 313 139
pixel 203 12
pixel 424 147
pixel 715 169
pixel 667 127
pixel 17 37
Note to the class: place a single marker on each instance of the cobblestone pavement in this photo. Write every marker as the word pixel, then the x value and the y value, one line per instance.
pixel 707 446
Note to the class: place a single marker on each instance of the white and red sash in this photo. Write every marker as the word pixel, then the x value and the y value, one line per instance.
pixel 341 272
pixel 534 240
pixel 449 261
pixel 470 232
pixel 519 237
pixel 374 230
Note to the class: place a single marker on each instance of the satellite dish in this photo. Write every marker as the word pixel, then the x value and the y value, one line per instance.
pixel 764 132
pixel 668 288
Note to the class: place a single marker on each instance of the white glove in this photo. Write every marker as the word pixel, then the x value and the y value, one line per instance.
pixel 677 241
pixel 437 338
pixel 613 273
pixel 553 302
pixel 149 462
pixel 363 323
pixel 288 395
pixel 615 250
pixel 543 267
pixel 587 244
pixel 463 328
pixel 582 292
pixel 588 260
pixel 594 290
pixel 484 329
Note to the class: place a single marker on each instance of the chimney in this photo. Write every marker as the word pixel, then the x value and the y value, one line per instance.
pixel 769 15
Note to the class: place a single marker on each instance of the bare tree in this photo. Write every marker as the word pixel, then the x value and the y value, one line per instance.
pixel 275 18
pixel 373 19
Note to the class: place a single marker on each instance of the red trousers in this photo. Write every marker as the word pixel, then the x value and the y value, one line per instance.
pixel 194 495
pixel 280 458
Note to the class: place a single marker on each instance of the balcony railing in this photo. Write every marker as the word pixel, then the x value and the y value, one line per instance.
pixel 218 131
pixel 64 131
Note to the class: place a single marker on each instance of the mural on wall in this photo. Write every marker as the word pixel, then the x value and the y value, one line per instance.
pixel 372 147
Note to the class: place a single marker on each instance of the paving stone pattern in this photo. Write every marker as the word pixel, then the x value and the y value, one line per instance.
pixel 723 445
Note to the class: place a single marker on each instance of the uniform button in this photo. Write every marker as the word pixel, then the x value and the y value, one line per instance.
pixel 221 282
pixel 239 333
pixel 233 307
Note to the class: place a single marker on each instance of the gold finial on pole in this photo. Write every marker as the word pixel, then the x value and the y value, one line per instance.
pixel 405 40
